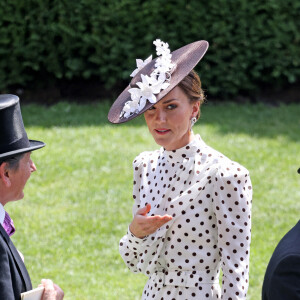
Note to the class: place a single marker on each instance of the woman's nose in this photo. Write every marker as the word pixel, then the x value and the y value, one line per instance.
pixel 160 115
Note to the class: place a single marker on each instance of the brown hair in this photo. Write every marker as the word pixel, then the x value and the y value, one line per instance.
pixel 191 85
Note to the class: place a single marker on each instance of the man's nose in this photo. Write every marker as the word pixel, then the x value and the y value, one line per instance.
pixel 32 166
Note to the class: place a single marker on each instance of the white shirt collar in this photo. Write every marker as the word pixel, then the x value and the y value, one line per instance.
pixel 2 214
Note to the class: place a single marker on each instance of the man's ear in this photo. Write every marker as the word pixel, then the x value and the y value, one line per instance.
pixel 5 174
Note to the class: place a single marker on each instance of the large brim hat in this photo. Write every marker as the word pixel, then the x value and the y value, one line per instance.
pixel 13 137
pixel 183 61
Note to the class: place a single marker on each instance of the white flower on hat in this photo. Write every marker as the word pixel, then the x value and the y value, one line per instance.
pixel 161 47
pixel 151 85
pixel 140 65
pixel 130 107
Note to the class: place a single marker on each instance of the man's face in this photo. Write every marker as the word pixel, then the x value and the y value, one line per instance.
pixel 20 176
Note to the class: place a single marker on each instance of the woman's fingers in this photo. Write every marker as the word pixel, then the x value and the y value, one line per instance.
pixel 143 225
pixel 157 220
pixel 144 210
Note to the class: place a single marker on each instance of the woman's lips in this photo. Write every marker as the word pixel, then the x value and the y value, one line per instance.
pixel 162 131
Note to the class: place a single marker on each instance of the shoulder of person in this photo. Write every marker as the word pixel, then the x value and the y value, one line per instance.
pixel 282 277
pixel 288 266
pixel 225 166
pixel 145 157
pixel 228 168
pixel 289 245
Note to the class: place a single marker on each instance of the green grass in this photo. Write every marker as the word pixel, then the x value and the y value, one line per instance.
pixel 78 204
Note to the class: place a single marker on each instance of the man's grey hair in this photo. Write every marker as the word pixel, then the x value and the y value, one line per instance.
pixel 13 162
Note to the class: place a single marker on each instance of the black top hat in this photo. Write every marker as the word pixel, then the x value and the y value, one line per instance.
pixel 13 137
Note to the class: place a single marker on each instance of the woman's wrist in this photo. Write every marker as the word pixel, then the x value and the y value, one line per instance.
pixel 134 233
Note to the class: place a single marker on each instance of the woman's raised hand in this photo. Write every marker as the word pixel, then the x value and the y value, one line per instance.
pixel 143 225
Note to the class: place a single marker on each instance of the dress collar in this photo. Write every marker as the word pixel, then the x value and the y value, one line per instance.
pixel 186 152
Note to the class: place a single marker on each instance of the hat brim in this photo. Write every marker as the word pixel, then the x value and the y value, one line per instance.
pixel 34 145
pixel 184 58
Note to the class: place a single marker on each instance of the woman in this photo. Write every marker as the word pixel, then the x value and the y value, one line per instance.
pixel 192 204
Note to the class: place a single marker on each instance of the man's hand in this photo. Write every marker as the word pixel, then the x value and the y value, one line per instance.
pixel 143 225
pixel 51 291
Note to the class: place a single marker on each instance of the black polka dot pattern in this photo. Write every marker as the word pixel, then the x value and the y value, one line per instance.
pixel 209 197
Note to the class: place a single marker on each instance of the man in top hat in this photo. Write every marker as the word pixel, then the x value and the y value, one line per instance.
pixel 16 167
pixel 282 278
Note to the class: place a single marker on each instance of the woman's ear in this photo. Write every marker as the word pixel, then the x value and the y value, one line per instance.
pixel 5 174
pixel 196 108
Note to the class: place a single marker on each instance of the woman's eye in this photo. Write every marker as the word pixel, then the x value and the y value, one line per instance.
pixel 171 106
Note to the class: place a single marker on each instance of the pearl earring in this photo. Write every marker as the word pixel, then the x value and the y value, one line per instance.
pixel 193 121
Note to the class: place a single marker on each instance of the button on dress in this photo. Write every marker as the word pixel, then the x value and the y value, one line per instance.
pixel 209 197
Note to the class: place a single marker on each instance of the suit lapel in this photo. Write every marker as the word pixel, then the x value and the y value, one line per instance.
pixel 18 260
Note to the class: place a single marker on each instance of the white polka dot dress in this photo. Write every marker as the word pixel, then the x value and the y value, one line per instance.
pixel 209 197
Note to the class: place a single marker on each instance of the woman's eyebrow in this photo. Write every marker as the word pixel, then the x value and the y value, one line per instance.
pixel 170 100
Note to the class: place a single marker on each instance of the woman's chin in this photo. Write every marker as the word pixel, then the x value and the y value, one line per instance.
pixel 162 142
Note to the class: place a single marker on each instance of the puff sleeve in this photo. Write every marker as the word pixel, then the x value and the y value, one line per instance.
pixel 131 246
pixel 233 199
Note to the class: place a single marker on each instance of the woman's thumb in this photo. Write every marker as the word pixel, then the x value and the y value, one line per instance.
pixel 144 210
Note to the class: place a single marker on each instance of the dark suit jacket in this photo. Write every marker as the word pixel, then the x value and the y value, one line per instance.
pixel 14 278
pixel 282 278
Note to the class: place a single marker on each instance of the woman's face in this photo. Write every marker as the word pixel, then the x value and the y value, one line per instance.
pixel 169 121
